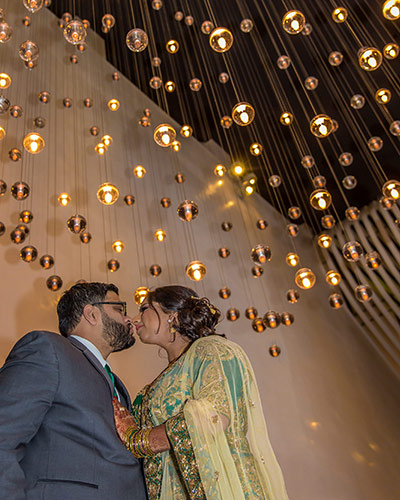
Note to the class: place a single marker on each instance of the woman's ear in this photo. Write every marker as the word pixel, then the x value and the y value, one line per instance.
pixel 91 314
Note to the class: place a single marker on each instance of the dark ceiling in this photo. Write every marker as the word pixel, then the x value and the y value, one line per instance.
pixel 255 78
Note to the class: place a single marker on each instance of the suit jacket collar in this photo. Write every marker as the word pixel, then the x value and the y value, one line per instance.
pixel 96 363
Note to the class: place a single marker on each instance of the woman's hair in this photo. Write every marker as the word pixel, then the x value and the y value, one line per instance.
pixel 196 317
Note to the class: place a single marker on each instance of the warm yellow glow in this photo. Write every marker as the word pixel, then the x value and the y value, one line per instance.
pixel 221 39
pixel 320 199
pixel 391 9
pixel 324 240
pixel 321 125
pixel 339 15
pixel 220 182
pixel 293 22
pixel 249 189
pixel 391 189
pixel 243 113
pixel 369 58
pixel 176 146
pixel 333 278
pixel 107 193
pixel 139 171
pixel 256 149
pixel 196 270
pixel 140 294
pixel 160 235
pixel 383 96
pixel 186 131
pixel 220 170
pixel 391 50
pixel 305 278
pixel 33 143
pixel 172 46
pixel 164 135
pixel 100 148
pixel 170 86
pixel 5 81
pixel 106 140
pixel 238 169
pixel 64 199
pixel 2 133
pixel 118 246
pixel 286 118
pixel 292 259
pixel 113 104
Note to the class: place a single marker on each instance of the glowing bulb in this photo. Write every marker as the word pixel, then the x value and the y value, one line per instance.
pixel 322 203
pixel 165 139
pixel 222 43
pixel 244 117
pixel 238 170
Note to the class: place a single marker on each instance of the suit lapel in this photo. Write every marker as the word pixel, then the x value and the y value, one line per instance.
pixel 95 362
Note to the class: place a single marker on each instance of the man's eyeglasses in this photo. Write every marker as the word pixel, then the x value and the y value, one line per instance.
pixel 122 304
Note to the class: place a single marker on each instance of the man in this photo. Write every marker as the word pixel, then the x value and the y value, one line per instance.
pixel 57 434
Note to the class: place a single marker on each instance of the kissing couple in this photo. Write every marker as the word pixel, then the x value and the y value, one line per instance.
pixel 68 429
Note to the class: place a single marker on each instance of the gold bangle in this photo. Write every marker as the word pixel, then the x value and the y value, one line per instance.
pixel 146 442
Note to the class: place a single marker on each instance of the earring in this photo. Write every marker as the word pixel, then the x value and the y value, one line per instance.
pixel 172 331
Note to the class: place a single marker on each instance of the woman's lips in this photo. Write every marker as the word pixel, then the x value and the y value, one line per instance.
pixel 138 327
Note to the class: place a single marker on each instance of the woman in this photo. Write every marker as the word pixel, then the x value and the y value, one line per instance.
pixel 199 425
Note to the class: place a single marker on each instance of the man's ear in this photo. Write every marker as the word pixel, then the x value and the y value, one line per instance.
pixel 91 314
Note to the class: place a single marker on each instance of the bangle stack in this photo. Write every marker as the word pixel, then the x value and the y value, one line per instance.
pixel 137 442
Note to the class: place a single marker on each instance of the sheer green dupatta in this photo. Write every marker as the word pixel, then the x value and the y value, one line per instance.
pixel 239 462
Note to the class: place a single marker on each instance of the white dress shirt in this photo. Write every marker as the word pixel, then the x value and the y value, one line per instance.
pixel 96 353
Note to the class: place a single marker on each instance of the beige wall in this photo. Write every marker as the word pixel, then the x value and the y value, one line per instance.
pixel 331 404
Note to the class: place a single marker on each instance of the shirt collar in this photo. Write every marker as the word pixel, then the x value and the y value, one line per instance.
pixel 93 349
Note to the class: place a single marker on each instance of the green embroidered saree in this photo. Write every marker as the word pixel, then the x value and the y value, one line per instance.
pixel 213 379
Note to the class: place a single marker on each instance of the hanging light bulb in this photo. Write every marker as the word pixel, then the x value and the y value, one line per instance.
pixel 292 259
pixel 320 199
pixel 352 213
pixel 251 313
pixel 286 118
pixel 207 27
pixel 64 199
pixel 195 84
pixel 261 224
pixel 248 188
pixel 221 39
pixel 293 22
pixel 224 252
pixel 164 135
pixel 85 237
pixel 33 143
pixel 129 199
pixel 165 202
pixel 294 213
pixel 292 296
pixel 375 143
pixel 339 15
pixel 373 260
pixel 311 83
pixel 172 46
pixel 118 246
pixel 271 319
pixel 28 253
pixel 155 82
pixel 170 86
pixel 243 114
pixel 335 300
pixel 188 210
pixel 100 148
pixel 108 20
pixel 46 261
pixel 28 51
pixel 283 62
pixel 224 293
pixel 106 140
pixel 324 240
pixel 155 270
pixel 232 314
pixel 140 294
pixel 136 40
pixel 321 126
pixel 176 146
pixel 226 121
pixel 74 32
pixel 305 278
pixel 391 9
pixel 352 251
pixel 160 235
pixel 2 133
pixel 363 293
pixel 94 130
pixel 328 221
pixel 391 50
pixel 107 193
pixel 226 226
pixel 256 149
pixel 113 265
pixel 54 283
pixel 257 271
pixel 76 224
pixel 196 270
pixel 33 5
pixel 186 131
pixel 391 189
pixel 26 217
pixel 20 190
pixel 5 81
pixel 369 58
pixel 139 171
pixel 261 254
pixel 219 170
pixel 383 96
pixel 333 278
pixel 113 104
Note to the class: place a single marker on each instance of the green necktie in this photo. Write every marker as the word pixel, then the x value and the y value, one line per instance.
pixel 111 375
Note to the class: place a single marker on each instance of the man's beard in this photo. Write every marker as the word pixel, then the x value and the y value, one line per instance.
pixel 116 334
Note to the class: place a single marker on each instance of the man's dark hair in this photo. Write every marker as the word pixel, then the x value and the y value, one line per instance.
pixel 70 306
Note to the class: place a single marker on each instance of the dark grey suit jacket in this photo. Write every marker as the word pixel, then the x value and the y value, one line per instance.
pixel 57 434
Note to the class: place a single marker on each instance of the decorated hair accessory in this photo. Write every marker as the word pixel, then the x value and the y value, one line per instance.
pixel 212 310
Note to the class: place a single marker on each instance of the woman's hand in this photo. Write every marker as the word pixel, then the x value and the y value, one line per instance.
pixel 123 419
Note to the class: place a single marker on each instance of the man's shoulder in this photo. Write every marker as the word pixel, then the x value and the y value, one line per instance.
pixel 41 337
